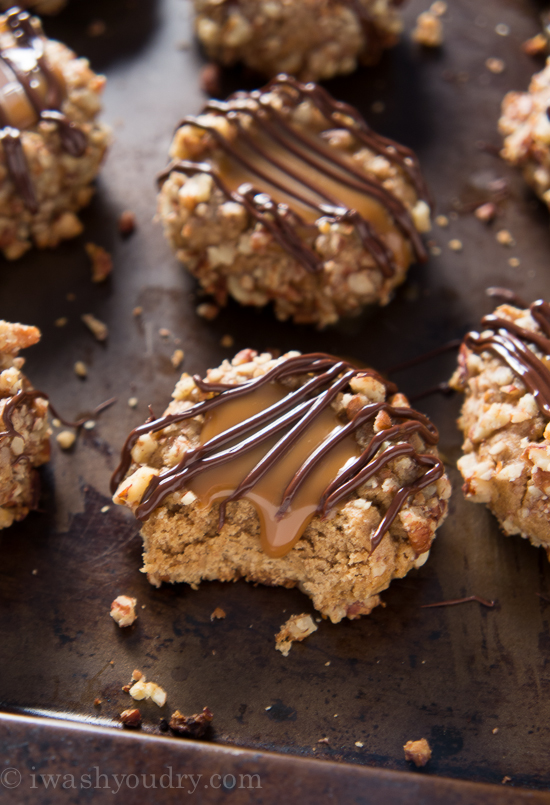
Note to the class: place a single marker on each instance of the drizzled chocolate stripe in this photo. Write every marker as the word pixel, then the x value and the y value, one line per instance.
pixel 293 414
pixel 73 139
pixel 510 342
pixel 22 397
pixel 283 222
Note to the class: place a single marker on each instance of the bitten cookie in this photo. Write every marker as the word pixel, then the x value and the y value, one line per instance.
pixel 24 431
pixel 525 126
pixel 311 39
pixel 50 145
pixel 297 471
pixel 503 372
pixel 286 195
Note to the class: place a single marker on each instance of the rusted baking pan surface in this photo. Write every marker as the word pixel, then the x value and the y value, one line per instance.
pixel 473 681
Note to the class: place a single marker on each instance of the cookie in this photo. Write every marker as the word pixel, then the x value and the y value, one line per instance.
pixel 504 375
pixel 295 471
pixel 286 196
pixel 310 39
pixel 24 431
pixel 51 146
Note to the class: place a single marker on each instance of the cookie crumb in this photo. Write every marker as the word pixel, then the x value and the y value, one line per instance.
pixel 99 329
pixel 455 245
pixel 439 8
pixel 359 744
pixel 495 66
pixel 208 311
pixel 227 341
pixel 61 322
pixel 137 311
pixel 131 718
pixel 210 79
pixel 535 46
pixel 514 262
pixel 65 439
pixel 194 726
pixel 442 220
pixel 428 31
pixel 98 702
pixel 123 610
pixel 126 223
pixel 132 402
pixel 323 741
pixel 80 369
pixel 148 690
pixel 104 509
pixel 502 29
pixel 102 262
pixel 504 238
pixel 418 752
pixel 136 675
pixel 506 779
pixel 486 212
pixel 177 358
pixel 218 613
pixel 495 730
pixel 296 629
pixel 96 28
pixel 89 424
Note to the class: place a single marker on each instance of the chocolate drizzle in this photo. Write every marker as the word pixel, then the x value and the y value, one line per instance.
pixel 259 129
pixel 285 421
pixel 510 342
pixel 29 37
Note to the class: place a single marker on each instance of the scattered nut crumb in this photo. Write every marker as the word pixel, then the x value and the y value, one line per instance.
pixel 136 675
pixel 126 688
pixel 104 509
pixel 327 664
pixel 177 358
pixel 126 223
pixel 81 369
pixel 218 613
pixel 455 245
pixel 208 311
pixel 96 327
pixel 102 262
pixel 164 332
pixel 502 29
pixel 486 212
pixel 148 690
pixel 123 610
pixel 137 311
pixel 96 28
pixel 56 423
pixel 61 322
pixel 65 439
pixel 504 238
pixel 418 752
pixel 98 702
pixel 535 46
pixel 194 726
pixel 435 250
pixel 89 424
pixel 227 341
pixel 70 297
pixel 428 31
pixel 323 741
pixel 378 107
pixel 296 629
pixel 132 402
pixel 442 220
pixel 131 718
pixel 495 730
pixel 514 262
pixel 506 779
pixel 34 572
pixel 495 66
pixel 360 744
pixel 439 8
pixel 210 79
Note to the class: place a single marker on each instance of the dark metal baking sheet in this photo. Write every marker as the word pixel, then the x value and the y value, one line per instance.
pixel 451 675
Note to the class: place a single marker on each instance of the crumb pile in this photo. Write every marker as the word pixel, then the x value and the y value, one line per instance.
pixel 379 530
pixel 24 431
pixel 311 39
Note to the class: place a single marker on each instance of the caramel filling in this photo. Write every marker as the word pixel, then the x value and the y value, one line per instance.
pixel 25 86
pixel 306 180
pixel 278 533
